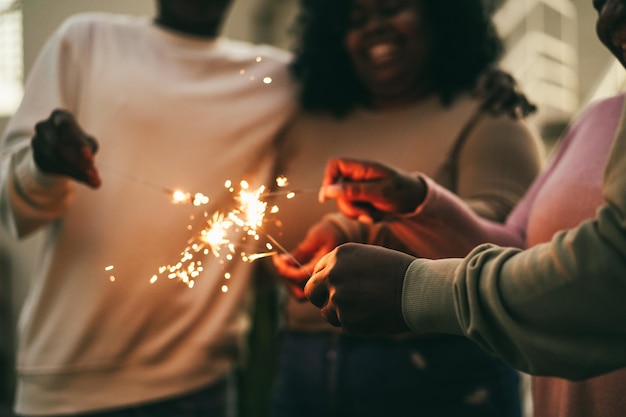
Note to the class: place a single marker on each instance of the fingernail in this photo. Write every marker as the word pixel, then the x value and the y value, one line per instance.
pixel 364 218
pixel 332 191
pixel 320 195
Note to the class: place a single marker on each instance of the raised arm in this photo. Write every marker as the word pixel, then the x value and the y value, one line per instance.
pixel 41 149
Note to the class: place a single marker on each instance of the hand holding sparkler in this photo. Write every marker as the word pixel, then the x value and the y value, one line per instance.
pixel 359 287
pixel 296 266
pixel 61 147
pixel 368 191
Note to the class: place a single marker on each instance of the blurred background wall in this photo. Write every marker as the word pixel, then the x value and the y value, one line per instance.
pixel 551 48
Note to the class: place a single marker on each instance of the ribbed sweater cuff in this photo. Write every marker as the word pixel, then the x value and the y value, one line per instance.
pixel 428 303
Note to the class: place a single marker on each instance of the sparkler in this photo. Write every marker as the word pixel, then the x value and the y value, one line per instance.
pixel 225 235
pixel 178 196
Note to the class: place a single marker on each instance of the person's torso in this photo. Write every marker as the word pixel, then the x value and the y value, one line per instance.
pixel 419 138
pixel 169 113
pixel 570 192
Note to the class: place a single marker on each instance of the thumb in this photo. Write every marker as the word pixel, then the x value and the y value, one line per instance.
pixel 330 191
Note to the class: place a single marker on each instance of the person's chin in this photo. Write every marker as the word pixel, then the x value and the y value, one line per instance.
pixel 391 86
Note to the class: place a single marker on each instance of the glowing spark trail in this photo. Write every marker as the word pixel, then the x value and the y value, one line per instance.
pixel 225 235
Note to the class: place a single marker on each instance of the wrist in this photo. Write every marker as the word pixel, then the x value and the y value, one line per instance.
pixel 28 172
pixel 416 191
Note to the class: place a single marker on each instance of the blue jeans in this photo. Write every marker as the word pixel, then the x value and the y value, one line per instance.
pixel 217 400
pixel 448 376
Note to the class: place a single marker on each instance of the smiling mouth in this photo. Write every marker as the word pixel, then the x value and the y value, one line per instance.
pixel 381 52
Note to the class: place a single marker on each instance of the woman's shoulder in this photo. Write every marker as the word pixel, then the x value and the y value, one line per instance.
pixel 481 123
pixel 490 132
pixel 603 109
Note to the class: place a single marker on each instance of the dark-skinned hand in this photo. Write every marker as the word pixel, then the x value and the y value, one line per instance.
pixel 359 288
pixel 61 147
pixel 367 190
pixel 501 95
pixel 296 267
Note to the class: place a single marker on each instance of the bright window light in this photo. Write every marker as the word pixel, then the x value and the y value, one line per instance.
pixel 11 56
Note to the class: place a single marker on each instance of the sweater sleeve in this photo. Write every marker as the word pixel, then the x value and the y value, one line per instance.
pixel 30 198
pixel 556 309
pixel 445 226
pixel 498 161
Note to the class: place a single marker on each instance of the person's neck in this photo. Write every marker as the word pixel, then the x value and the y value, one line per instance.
pixel 383 103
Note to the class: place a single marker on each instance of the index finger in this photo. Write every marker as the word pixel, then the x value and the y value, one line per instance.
pixel 339 168
pixel 348 170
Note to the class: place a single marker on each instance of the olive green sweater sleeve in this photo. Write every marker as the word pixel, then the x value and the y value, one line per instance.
pixel 556 309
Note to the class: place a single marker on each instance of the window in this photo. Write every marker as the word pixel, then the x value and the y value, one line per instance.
pixel 11 56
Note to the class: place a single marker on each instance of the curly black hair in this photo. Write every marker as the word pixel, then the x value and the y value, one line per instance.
pixel 465 44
